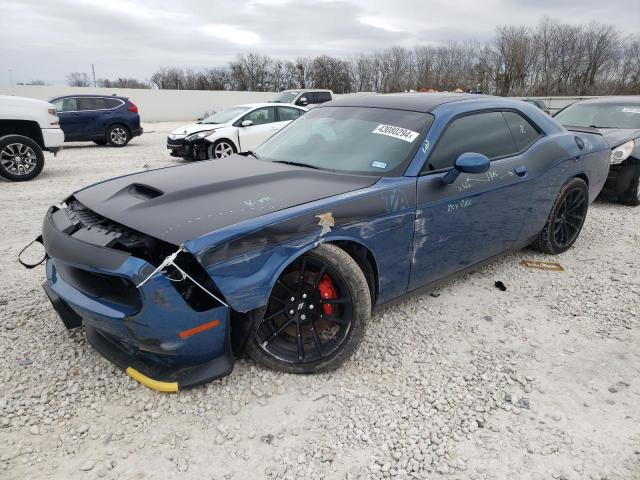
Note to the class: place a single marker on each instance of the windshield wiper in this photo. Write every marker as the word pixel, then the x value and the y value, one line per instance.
pixel 250 152
pixel 296 164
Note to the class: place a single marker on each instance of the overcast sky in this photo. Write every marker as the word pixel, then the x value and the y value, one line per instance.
pixel 46 39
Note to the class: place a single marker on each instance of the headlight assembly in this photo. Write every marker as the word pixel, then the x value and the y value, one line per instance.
pixel 198 135
pixel 622 152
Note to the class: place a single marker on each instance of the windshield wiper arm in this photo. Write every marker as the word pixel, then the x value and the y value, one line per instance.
pixel 296 164
pixel 250 152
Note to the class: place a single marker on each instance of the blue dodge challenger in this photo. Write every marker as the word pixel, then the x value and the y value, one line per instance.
pixel 283 253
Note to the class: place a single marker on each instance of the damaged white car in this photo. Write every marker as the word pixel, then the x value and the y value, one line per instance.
pixel 232 130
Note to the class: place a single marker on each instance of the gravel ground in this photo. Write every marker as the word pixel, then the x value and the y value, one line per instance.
pixel 468 382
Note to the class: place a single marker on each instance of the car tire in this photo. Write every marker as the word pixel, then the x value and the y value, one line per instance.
pixel 21 158
pixel 632 195
pixel 566 218
pixel 220 149
pixel 118 135
pixel 336 286
pixel 100 142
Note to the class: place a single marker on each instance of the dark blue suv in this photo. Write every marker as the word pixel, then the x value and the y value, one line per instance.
pixel 101 119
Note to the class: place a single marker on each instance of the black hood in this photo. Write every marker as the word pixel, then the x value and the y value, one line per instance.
pixel 181 203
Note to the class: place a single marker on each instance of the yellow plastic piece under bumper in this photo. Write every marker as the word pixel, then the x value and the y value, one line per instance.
pixel 170 387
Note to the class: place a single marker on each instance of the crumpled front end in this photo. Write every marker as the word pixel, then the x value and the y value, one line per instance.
pixel 167 333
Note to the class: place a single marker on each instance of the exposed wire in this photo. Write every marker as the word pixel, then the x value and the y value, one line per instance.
pixel 170 260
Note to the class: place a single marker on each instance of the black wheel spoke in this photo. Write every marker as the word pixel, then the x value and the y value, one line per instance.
pixel 316 338
pixel 334 301
pixel 300 343
pixel 281 329
pixel 276 314
pixel 284 285
pixel 301 275
pixel 319 277
pixel 279 300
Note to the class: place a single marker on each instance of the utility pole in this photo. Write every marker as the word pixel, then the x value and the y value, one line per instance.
pixel 11 76
pixel 93 70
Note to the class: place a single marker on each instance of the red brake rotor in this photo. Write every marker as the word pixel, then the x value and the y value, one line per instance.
pixel 327 292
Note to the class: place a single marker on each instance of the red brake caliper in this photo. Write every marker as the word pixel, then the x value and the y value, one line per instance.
pixel 327 292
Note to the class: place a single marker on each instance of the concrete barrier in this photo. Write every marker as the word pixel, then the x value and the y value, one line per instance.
pixel 189 105
pixel 154 105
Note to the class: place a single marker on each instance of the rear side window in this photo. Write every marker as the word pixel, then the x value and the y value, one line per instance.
pixel 485 133
pixel 91 103
pixel 112 102
pixel 322 97
pixel 288 113
pixel 260 116
pixel 524 134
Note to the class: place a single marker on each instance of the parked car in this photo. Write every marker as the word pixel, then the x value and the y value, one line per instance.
pixel 618 120
pixel 100 119
pixel 232 130
pixel 538 103
pixel 27 127
pixel 357 203
pixel 304 97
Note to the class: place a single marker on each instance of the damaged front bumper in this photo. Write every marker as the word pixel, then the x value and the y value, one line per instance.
pixel 151 332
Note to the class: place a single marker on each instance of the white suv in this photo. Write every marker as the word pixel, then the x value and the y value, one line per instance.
pixel 27 127
pixel 304 97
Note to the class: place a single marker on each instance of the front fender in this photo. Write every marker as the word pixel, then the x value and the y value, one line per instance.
pixel 245 260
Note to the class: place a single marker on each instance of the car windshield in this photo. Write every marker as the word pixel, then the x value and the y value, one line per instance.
pixel 226 115
pixel 372 141
pixel 618 115
pixel 285 97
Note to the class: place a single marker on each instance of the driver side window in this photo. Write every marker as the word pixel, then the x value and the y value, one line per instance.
pixel 260 116
pixel 485 133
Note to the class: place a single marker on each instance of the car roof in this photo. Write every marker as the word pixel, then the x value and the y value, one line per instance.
pixel 414 101
pixel 307 90
pixel 613 99
pixel 267 104
pixel 91 95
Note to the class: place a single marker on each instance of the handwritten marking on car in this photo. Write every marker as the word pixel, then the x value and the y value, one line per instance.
pixel 464 203
pixel 425 146
pixel 396 132
pixel 259 201
pixel 326 221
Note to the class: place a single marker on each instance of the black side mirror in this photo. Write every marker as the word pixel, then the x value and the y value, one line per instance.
pixel 302 101
pixel 469 162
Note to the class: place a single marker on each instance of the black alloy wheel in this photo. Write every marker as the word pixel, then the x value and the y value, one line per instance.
pixel 566 218
pixel 313 320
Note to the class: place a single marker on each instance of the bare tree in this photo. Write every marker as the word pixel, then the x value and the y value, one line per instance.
pixel 78 79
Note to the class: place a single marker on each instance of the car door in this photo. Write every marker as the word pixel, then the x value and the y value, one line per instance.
pixel 92 116
pixel 262 127
pixel 70 122
pixel 479 215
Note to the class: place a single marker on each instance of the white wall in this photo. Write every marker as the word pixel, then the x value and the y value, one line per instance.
pixel 154 105
pixel 188 105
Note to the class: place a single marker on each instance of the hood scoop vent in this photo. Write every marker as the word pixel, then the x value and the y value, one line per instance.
pixel 144 192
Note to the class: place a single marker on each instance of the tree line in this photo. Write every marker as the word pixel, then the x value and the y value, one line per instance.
pixel 550 59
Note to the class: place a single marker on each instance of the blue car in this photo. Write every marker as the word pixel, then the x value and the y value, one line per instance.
pixel 283 253
pixel 104 120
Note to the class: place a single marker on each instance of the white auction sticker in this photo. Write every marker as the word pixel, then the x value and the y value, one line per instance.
pixel 396 132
